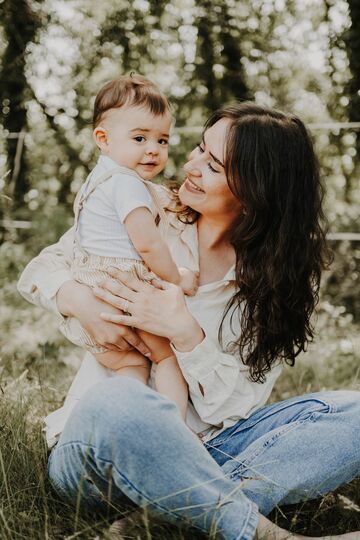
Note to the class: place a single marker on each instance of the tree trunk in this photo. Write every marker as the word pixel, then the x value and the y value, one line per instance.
pixel 233 83
pixel 205 56
pixel 352 40
pixel 218 59
pixel 20 24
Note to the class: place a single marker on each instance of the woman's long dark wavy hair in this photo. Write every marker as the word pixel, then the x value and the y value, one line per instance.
pixel 279 238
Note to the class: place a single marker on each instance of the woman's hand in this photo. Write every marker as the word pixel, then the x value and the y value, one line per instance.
pixel 76 300
pixel 158 310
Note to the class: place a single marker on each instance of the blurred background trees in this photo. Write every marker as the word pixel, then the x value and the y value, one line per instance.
pixel 298 55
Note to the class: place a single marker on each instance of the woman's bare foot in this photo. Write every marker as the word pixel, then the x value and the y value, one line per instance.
pixel 266 530
pixel 117 529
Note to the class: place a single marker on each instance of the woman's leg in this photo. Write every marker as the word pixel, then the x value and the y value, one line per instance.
pixel 294 450
pixel 126 441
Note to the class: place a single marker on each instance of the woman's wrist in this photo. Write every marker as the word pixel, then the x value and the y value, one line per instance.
pixel 188 336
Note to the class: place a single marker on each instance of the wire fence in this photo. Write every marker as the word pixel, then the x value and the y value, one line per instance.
pixel 333 236
pixel 326 126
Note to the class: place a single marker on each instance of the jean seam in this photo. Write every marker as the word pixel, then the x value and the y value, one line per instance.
pixel 312 417
pixel 332 408
pixel 268 443
pixel 251 521
pixel 86 476
pixel 130 485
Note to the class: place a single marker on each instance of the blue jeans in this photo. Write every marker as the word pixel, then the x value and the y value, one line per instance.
pixel 125 442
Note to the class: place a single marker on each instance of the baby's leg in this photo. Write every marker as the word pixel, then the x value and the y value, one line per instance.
pixel 169 379
pixel 129 363
pixel 171 383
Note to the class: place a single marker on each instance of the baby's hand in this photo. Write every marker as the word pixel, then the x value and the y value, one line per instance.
pixel 189 281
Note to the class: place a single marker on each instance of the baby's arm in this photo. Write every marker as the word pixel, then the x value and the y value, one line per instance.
pixel 145 236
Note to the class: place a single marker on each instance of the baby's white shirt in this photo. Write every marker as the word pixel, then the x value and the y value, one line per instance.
pixel 101 228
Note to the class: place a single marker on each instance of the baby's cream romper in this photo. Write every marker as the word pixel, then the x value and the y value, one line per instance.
pixel 90 269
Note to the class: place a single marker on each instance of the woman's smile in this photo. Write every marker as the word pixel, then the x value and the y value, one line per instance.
pixel 192 187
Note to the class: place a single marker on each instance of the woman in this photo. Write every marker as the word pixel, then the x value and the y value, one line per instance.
pixel 250 224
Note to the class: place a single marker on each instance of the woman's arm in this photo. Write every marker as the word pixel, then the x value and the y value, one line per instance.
pixel 45 274
pixel 47 281
pixel 218 382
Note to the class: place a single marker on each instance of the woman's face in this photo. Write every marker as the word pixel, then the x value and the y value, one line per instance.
pixel 205 188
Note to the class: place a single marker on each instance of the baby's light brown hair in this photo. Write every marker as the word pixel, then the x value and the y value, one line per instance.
pixel 130 89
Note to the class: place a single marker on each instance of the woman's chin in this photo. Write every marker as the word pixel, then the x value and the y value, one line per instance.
pixel 185 197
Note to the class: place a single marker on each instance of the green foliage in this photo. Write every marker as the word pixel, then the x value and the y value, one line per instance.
pixel 202 54
pixel 341 284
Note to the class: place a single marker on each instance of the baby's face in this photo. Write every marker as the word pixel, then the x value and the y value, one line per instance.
pixel 135 138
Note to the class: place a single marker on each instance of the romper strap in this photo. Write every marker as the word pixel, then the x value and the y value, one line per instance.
pixel 155 197
pixel 85 192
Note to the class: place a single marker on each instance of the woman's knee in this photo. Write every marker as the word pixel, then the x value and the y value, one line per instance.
pixel 119 395
pixel 346 401
pixel 122 405
pixel 348 407
pixel 344 423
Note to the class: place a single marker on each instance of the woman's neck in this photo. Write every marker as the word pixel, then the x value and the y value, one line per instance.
pixel 216 254
pixel 213 233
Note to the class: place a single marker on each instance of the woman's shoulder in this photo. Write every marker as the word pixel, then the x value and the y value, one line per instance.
pixel 168 200
pixel 163 194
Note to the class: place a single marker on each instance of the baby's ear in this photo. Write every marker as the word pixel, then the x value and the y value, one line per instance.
pixel 100 135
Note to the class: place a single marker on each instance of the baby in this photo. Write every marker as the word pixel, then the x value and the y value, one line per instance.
pixel 115 212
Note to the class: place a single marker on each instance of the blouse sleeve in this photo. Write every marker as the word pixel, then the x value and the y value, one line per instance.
pixel 219 384
pixel 44 275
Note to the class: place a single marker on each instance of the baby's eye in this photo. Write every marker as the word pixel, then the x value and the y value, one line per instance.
pixel 163 142
pixel 201 149
pixel 139 138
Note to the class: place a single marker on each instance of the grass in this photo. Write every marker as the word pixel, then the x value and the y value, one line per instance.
pixel 36 367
